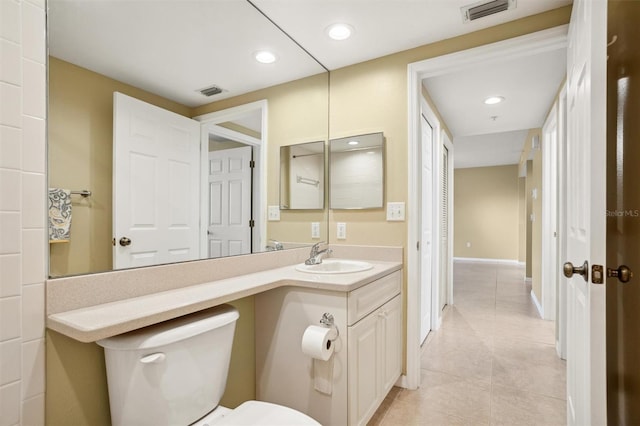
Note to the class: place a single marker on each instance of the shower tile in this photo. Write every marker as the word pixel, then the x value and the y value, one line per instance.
pixel 34 96
pixel 10 275
pixel 33 145
pixel 10 400
pixel 10 150
pixel 11 356
pixel 10 63
pixel 33 33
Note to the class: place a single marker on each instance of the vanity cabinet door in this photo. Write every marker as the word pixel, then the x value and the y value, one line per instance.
pixel 375 351
pixel 365 360
pixel 392 341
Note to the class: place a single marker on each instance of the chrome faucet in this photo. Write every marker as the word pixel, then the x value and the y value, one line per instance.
pixel 315 257
pixel 277 245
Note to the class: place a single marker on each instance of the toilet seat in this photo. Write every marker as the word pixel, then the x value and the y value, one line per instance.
pixel 260 413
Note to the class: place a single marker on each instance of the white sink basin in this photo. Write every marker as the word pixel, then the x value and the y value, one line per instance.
pixel 335 266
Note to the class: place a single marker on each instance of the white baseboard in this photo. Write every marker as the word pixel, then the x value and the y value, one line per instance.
pixel 535 302
pixel 483 260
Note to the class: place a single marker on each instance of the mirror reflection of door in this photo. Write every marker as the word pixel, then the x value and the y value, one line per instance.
pixel 228 229
pixel 156 173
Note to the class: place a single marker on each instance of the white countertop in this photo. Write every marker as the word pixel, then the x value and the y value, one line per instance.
pixel 92 323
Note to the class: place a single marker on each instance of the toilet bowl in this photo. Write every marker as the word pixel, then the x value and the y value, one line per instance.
pixel 175 373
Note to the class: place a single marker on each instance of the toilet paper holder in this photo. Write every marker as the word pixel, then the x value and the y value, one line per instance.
pixel 328 321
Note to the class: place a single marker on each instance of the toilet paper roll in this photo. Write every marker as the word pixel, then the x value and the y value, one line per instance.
pixel 316 342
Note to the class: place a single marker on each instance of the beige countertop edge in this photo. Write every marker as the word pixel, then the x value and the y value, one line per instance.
pixel 109 319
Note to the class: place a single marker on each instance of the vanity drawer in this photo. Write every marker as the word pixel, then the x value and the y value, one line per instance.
pixel 368 298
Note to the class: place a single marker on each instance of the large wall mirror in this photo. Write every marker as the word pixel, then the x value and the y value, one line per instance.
pixel 356 172
pixel 195 60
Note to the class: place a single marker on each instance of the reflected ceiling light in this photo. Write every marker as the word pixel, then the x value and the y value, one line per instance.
pixel 353 142
pixel 492 100
pixel 339 31
pixel 265 57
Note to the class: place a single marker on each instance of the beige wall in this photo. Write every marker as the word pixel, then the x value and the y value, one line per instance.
pixel 80 150
pixel 298 113
pixel 486 212
pixel 368 97
pixel 80 132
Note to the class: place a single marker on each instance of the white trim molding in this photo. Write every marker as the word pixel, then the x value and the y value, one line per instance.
pixel 537 303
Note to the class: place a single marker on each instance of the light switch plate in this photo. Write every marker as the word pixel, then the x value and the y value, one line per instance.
pixel 273 213
pixel 342 231
pixel 395 212
pixel 315 229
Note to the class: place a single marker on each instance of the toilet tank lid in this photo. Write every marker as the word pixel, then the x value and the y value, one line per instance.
pixel 172 331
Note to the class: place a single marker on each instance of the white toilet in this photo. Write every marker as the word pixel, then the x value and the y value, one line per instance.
pixel 175 372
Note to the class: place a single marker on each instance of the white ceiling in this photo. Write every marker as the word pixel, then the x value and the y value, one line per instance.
pixel 175 47
pixel 383 27
pixel 529 86
pixel 495 149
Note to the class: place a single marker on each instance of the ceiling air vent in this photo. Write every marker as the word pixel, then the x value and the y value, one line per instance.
pixel 485 8
pixel 210 91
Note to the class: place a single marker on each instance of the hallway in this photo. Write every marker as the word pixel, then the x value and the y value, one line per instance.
pixel 492 362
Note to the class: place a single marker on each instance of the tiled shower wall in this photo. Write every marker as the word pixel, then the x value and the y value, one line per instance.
pixel 22 211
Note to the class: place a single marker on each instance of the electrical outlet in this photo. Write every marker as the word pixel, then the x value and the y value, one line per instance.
pixel 315 229
pixel 273 213
pixel 342 231
pixel 395 212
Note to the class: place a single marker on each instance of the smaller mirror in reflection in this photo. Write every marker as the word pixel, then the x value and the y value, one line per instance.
pixel 302 176
pixel 356 172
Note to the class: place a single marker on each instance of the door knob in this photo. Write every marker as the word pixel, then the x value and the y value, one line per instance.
pixel 124 241
pixel 623 273
pixel 583 270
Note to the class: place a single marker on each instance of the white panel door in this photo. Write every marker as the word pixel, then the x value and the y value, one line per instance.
pixel 426 218
pixel 586 204
pixel 156 167
pixel 229 202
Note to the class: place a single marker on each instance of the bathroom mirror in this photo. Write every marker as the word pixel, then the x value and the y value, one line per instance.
pixel 302 176
pixel 356 172
pixel 170 55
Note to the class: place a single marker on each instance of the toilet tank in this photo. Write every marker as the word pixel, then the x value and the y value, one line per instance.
pixel 172 373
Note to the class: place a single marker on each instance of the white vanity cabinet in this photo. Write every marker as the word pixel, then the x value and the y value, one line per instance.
pixel 374 346
pixel 367 360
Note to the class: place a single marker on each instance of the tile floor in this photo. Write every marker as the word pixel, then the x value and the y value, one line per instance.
pixel 492 362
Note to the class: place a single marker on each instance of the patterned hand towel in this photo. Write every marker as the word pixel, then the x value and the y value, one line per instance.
pixel 59 215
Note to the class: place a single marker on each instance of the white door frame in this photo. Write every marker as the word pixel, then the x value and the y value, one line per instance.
pixel 209 125
pixel 561 313
pixel 530 44
pixel 550 278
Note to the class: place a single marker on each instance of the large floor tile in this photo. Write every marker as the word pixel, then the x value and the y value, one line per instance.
pixel 493 360
pixel 511 407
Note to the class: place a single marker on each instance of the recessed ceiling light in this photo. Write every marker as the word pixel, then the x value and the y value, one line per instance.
pixel 265 57
pixel 353 142
pixel 339 31
pixel 492 100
